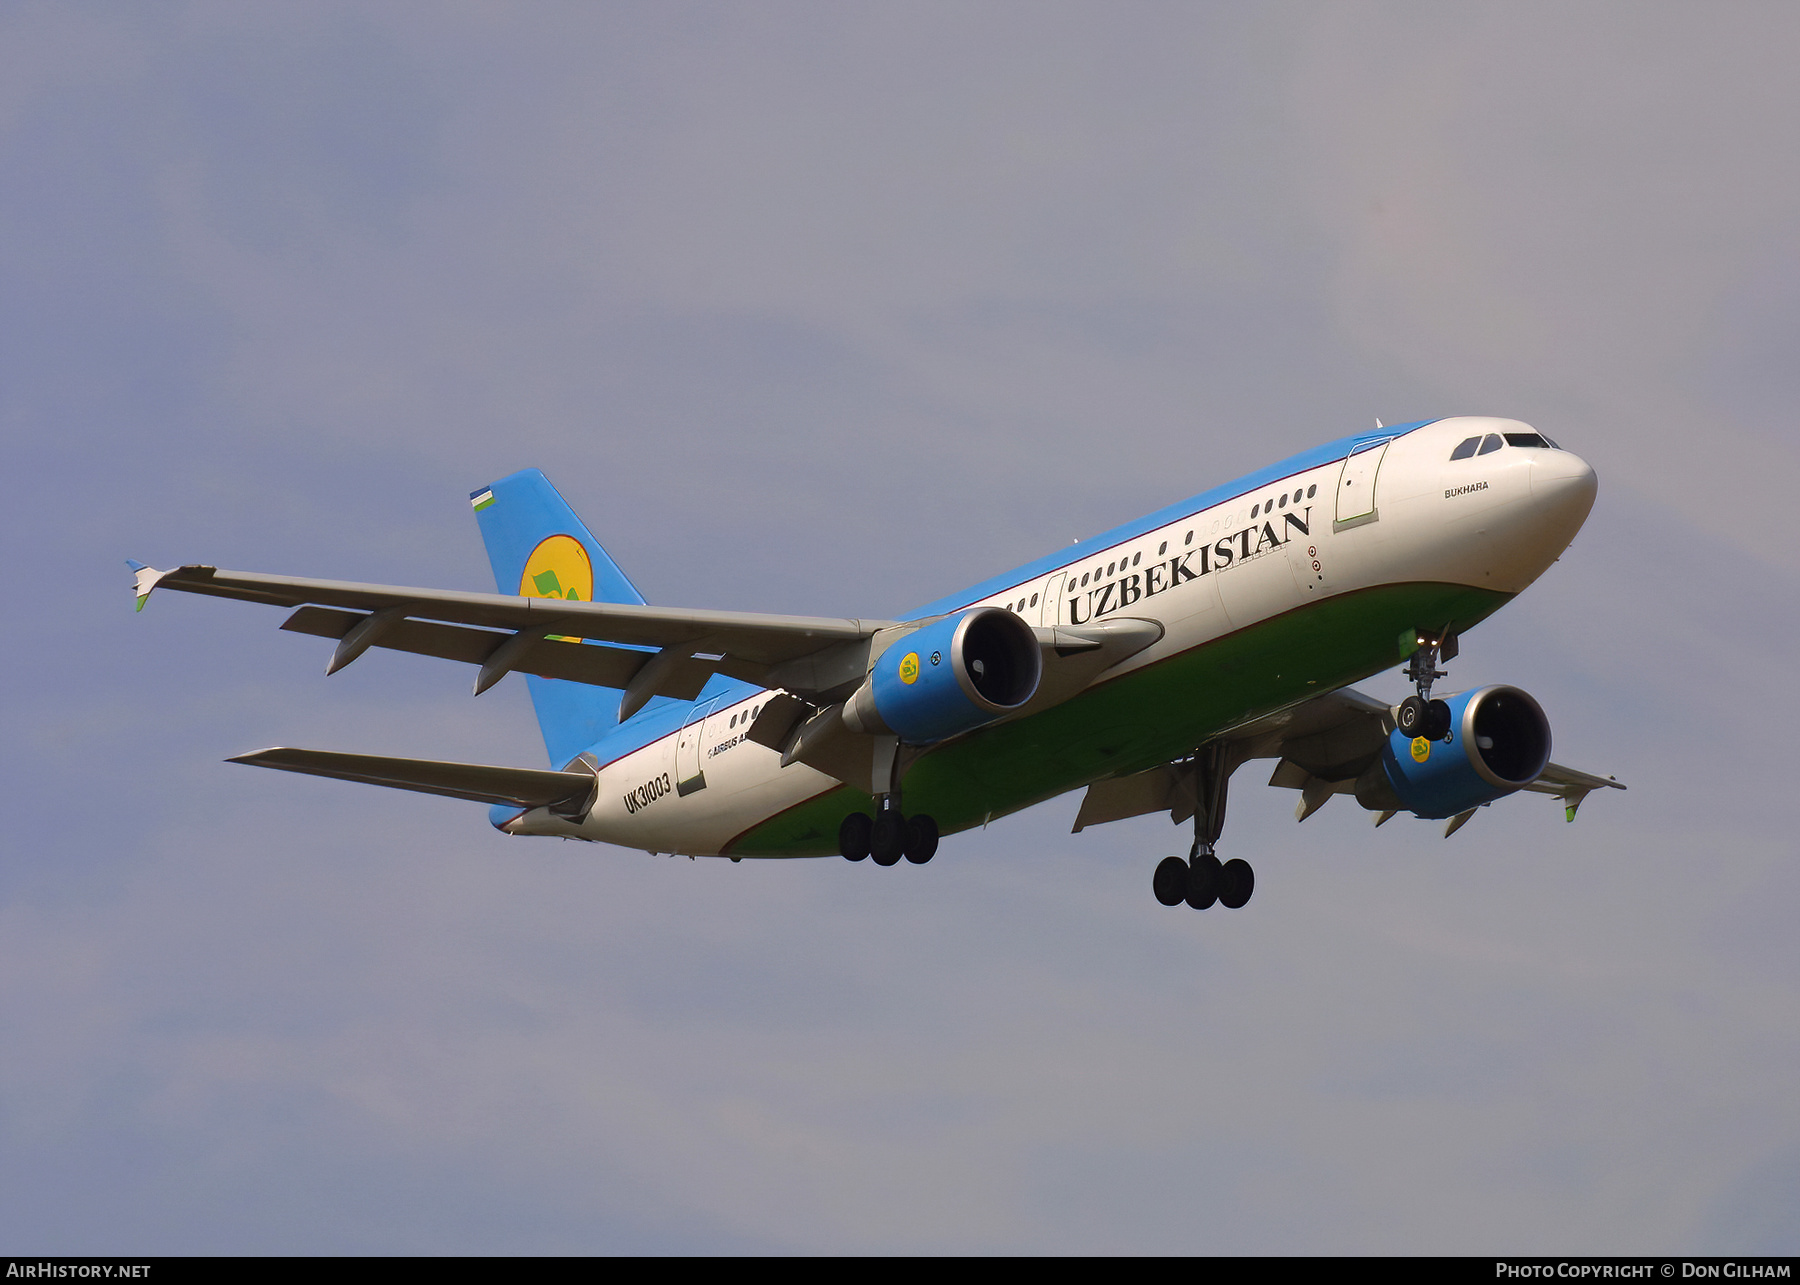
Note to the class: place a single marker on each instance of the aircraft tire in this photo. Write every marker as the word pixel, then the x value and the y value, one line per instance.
pixel 1437 721
pixel 921 838
pixel 888 841
pixel 1412 717
pixel 1203 881
pixel 1170 883
pixel 1236 882
pixel 855 833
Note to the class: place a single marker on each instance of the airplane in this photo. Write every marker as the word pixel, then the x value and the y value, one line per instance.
pixel 1143 666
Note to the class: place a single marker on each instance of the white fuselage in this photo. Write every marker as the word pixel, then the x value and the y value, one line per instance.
pixel 1393 512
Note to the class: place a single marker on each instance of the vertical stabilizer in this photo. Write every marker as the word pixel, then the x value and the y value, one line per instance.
pixel 540 549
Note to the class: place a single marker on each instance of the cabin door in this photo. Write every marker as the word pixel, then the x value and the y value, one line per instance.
pixel 1052 601
pixel 1356 486
pixel 689 776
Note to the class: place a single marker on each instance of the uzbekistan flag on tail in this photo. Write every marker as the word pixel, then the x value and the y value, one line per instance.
pixel 479 500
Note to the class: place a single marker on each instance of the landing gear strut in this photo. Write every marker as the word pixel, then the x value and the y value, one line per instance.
pixel 1203 879
pixel 1420 716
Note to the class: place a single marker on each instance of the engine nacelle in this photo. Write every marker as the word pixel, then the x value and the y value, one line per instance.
pixel 952 676
pixel 1499 742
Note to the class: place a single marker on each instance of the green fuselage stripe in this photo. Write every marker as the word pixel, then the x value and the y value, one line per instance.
pixel 1150 716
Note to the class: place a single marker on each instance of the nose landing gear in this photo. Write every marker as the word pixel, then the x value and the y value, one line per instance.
pixel 1420 716
pixel 1203 879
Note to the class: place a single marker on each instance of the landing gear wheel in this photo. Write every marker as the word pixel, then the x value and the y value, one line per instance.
pixel 1437 721
pixel 1413 717
pixel 1170 882
pixel 1203 881
pixel 1236 882
pixel 855 834
pixel 888 842
pixel 921 838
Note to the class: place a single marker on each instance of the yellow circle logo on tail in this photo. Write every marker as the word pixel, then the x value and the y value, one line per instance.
pixel 1421 749
pixel 558 568
pixel 909 668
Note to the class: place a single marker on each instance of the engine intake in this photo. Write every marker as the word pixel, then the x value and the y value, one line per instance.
pixel 1499 741
pixel 951 676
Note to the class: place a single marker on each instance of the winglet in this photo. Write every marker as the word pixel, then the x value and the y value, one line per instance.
pixel 146 580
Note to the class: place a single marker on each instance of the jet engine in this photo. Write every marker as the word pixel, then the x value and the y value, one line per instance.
pixel 1499 741
pixel 951 676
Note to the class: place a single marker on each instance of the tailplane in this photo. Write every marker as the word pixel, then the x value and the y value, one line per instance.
pixel 540 549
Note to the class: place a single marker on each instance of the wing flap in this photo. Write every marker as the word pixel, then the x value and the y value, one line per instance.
pixel 594 663
pixel 570 792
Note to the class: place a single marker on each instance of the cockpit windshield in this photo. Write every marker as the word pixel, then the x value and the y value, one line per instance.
pixel 1493 441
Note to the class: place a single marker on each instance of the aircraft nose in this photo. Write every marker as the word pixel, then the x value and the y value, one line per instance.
pixel 1564 481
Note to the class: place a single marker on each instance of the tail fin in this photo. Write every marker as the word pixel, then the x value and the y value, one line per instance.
pixel 540 549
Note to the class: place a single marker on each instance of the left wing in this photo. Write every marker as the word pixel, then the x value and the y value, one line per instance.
pixel 648 651
pixel 1323 745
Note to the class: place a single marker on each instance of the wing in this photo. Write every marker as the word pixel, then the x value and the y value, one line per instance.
pixel 816 662
pixel 1322 746
pixel 647 651
pixel 1570 786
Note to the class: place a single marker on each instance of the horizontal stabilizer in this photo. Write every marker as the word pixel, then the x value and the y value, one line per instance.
pixel 569 793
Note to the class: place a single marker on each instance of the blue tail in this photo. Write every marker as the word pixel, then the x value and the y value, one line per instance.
pixel 540 549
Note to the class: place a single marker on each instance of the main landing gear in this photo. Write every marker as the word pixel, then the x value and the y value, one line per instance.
pixel 888 837
pixel 1420 716
pixel 1203 879
pixel 891 834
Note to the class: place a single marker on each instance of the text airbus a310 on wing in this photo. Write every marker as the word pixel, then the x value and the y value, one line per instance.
pixel 1143 666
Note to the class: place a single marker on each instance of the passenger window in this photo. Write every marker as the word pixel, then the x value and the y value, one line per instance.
pixel 1190 538
pixel 1284 499
pixel 1490 444
pixel 1311 491
pixel 1465 448
pixel 1253 509
pixel 1164 549
pixel 1136 558
pixel 1034 600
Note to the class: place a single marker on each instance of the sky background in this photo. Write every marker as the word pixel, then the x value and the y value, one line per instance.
pixel 832 309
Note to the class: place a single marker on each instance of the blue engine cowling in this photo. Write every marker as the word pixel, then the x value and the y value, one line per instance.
pixel 1499 741
pixel 952 676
